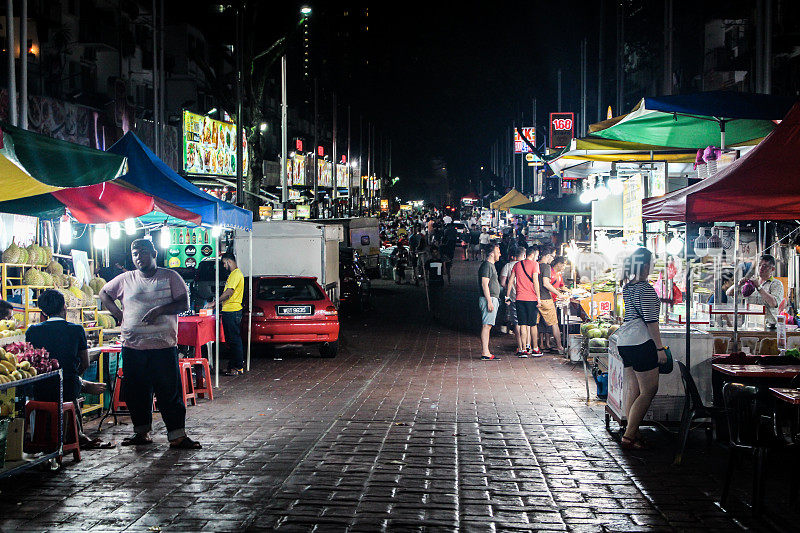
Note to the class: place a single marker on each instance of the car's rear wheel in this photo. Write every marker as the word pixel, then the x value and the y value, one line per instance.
pixel 329 349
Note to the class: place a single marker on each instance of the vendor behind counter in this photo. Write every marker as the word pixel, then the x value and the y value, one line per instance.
pixel 768 290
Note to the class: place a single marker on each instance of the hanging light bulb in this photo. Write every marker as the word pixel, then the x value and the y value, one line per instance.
pixel 130 226
pixel 602 192
pixel 65 230
pixel 100 238
pixel 714 245
pixel 164 238
pixel 216 231
pixel 587 196
pixel 615 186
pixel 114 230
pixel 675 246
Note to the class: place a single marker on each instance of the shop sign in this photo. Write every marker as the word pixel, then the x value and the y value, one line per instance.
pixel 296 170
pixel 520 146
pixel 324 173
pixel 291 214
pixel 294 194
pixel 632 196
pixel 277 214
pixel 384 204
pixel 265 212
pixel 209 146
pixel 298 145
pixel 341 175
pixel 303 211
pixel 562 129
pixel 405 207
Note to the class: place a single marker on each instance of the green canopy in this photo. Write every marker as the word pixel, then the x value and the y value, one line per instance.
pixel 566 205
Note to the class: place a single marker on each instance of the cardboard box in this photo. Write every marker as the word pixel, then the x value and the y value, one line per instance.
pixel 16 432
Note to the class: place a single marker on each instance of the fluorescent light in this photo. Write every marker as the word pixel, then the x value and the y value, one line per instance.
pixel 65 231
pixel 164 238
pixel 100 238
pixel 216 231
pixel 114 230
pixel 675 246
pixel 130 226
pixel 587 196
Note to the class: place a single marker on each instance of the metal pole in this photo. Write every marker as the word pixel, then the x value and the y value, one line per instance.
pixel 239 129
pixel 12 75
pixel 601 26
pixel 162 86
pixel 513 166
pixel 349 168
pixel 314 205
pixel 688 300
pixel 584 85
pixel 216 314
pixel 768 46
pixel 620 51
pixel 250 303
pixel 335 209
pixel 668 13
pixel 284 139
pixel 369 168
pixel 737 292
pixel 156 136
pixel 559 89
pixel 23 57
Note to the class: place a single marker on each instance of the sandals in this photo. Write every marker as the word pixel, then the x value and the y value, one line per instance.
pixel 95 444
pixel 233 372
pixel 136 440
pixel 186 444
pixel 627 443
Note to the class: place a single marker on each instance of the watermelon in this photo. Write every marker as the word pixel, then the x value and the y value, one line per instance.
pixel 585 329
pixel 595 333
pixel 604 332
pixel 595 343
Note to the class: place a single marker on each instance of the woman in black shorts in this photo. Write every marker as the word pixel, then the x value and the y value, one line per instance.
pixel 639 341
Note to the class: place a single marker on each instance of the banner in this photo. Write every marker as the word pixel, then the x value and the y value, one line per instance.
pixel 521 147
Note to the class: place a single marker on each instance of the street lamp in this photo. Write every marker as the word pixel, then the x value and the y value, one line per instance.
pixel 305 11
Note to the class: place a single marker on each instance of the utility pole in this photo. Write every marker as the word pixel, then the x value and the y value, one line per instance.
pixel 349 168
pixel 768 46
pixel 239 127
pixel 668 31
pixel 12 74
pixel 335 177
pixel 620 57
pixel 600 47
pixel 369 168
pixel 23 58
pixel 156 133
pixel 162 85
pixel 559 90
pixel 315 202
pixel 584 85
pixel 284 140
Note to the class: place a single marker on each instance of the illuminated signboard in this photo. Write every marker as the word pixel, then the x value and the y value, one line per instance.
pixel 562 129
pixel 209 146
pixel 384 204
pixel 303 211
pixel 520 147
pixel 324 173
pixel 341 176
pixel 296 170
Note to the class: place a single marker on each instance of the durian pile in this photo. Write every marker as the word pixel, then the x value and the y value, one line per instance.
pixel 32 255
pixel 97 283
pixel 105 320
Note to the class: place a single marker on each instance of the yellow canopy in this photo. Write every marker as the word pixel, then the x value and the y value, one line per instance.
pixel 511 199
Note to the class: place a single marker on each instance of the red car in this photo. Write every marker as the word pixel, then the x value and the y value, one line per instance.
pixel 294 310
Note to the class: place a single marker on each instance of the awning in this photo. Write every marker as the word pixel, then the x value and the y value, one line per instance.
pixel 511 198
pixel 697 120
pixel 762 185
pixel 148 174
pixel 32 164
pixel 566 205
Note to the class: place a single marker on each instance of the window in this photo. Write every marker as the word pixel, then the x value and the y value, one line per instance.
pixel 288 290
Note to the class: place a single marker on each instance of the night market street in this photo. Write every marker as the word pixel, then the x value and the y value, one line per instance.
pixel 407 429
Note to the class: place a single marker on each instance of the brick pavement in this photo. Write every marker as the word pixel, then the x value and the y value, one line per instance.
pixel 407 430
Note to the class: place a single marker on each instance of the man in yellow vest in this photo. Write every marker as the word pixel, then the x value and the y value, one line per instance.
pixel 231 314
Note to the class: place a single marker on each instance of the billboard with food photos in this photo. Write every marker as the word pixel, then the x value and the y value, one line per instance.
pixel 209 146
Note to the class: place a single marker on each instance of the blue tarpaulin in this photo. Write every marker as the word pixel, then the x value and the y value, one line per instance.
pixel 723 104
pixel 150 174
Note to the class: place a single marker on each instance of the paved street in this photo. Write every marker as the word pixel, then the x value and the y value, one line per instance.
pixel 406 430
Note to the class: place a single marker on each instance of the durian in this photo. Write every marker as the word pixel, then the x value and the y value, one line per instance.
pixel 48 255
pixel 87 289
pixel 33 254
pixel 23 256
pixel 97 284
pixel 32 277
pixel 54 267
pixel 47 279
pixel 12 254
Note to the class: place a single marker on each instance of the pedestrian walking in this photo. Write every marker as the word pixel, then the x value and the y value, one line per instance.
pixel 434 268
pixel 639 342
pixel 485 241
pixel 489 299
pixel 231 314
pixel 524 278
pixel 152 298
pixel 448 248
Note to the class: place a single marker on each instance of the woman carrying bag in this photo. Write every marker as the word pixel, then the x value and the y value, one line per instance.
pixel 639 343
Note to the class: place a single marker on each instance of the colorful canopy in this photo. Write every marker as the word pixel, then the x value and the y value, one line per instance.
pixel 147 173
pixel 697 120
pixel 512 198
pixel 32 164
pixel 762 185
pixel 566 205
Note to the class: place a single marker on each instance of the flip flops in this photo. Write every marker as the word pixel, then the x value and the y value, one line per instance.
pixel 136 440
pixel 185 444
pixel 95 444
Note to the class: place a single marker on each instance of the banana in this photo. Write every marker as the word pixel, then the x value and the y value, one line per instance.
pixel 33 371
pixel 25 365
pixel 8 367
pixel 16 375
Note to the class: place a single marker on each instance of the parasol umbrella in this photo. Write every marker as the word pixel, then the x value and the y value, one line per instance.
pixel 697 120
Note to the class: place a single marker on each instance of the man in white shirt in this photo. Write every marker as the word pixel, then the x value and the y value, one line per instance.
pixel 447 219
pixel 485 240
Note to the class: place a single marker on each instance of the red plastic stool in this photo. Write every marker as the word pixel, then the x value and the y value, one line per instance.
pixel 45 428
pixel 187 382
pixel 116 402
pixel 202 384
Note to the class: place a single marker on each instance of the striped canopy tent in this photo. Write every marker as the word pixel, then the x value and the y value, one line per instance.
pixel 511 198
pixel 44 177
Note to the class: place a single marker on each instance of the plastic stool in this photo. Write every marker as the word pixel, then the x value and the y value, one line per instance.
pixel 202 384
pixel 45 428
pixel 118 403
pixel 187 382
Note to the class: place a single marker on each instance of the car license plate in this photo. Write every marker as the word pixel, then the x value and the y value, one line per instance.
pixel 294 310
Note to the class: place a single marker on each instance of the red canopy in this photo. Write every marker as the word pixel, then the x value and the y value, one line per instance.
pixel 109 201
pixel 762 185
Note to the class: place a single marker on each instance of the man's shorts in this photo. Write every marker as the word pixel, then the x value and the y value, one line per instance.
pixel 488 318
pixel 547 308
pixel 527 313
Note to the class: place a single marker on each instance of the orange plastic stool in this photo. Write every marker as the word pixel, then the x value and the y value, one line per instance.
pixel 118 403
pixel 45 428
pixel 202 384
pixel 187 382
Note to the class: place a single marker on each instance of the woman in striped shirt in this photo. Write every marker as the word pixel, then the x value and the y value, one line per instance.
pixel 639 341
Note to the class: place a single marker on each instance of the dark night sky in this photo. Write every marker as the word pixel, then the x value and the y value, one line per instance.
pixel 447 78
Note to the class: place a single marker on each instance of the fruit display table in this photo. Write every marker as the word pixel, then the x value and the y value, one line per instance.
pixel 11 468
pixel 196 331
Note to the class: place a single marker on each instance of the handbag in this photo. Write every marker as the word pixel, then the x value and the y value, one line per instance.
pixel 666 368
